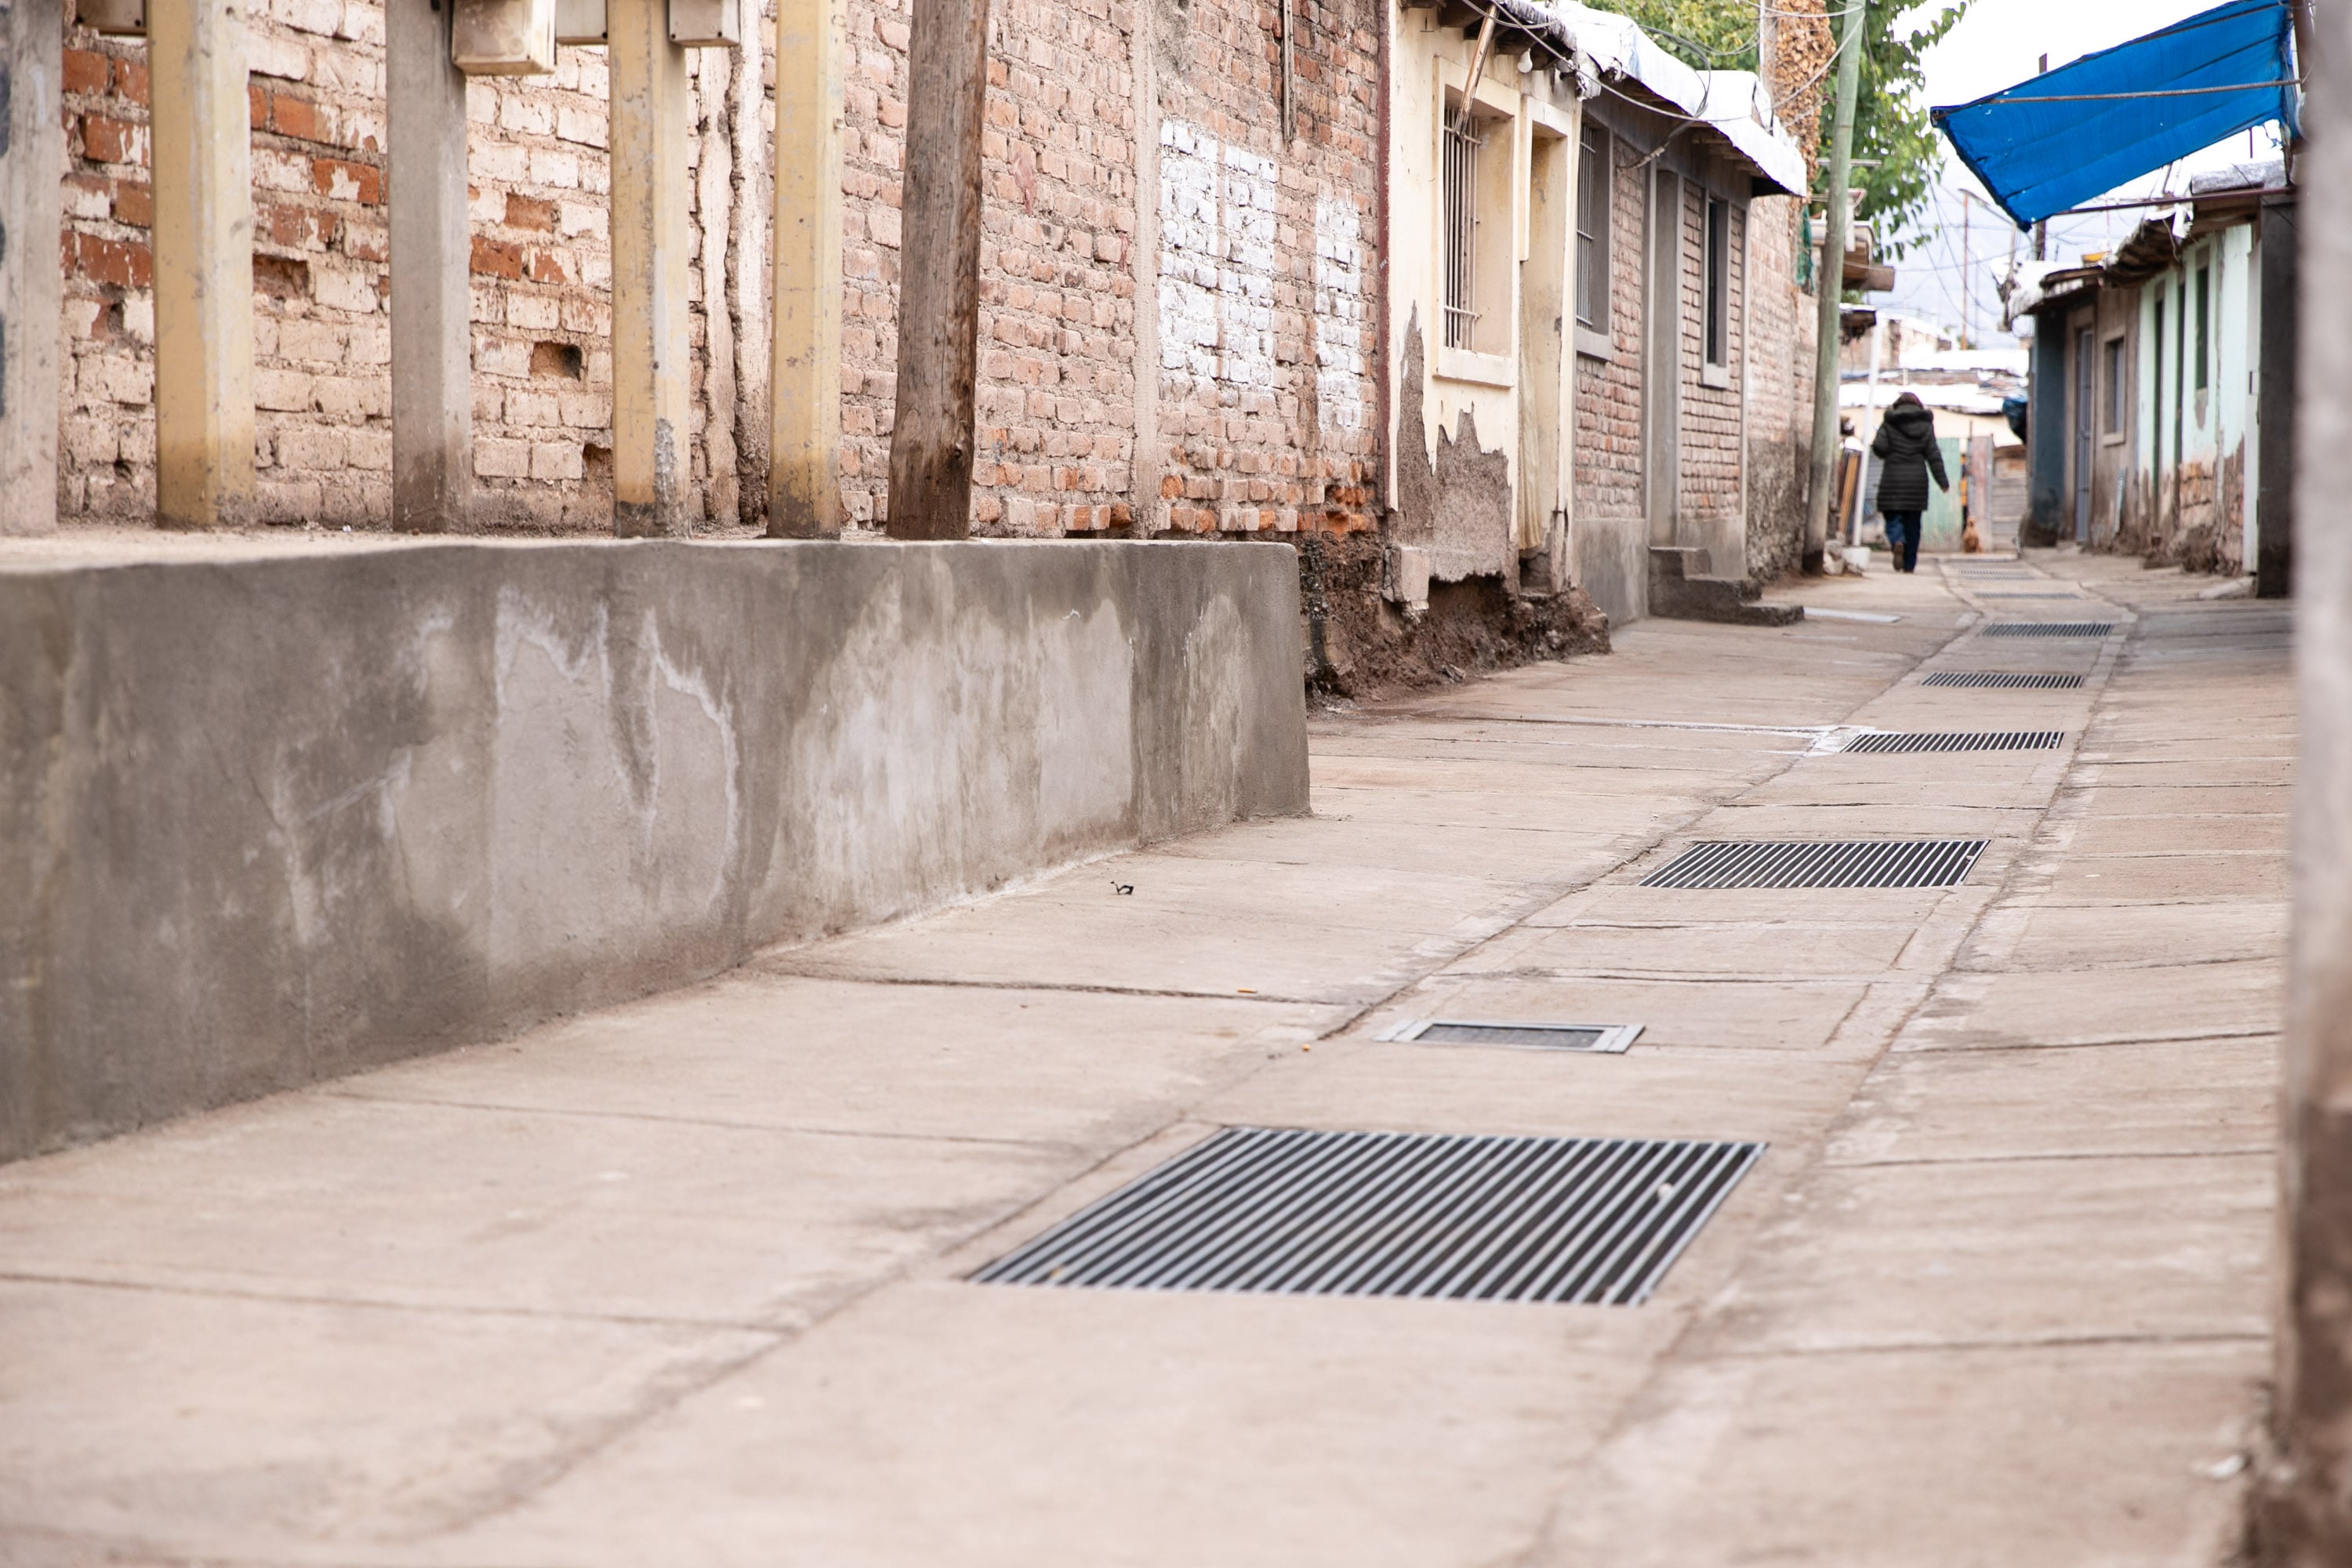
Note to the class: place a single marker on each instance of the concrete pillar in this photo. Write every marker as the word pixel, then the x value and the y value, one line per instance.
pixel 431 337
pixel 32 281
pixel 651 402
pixel 2306 1518
pixel 203 264
pixel 805 440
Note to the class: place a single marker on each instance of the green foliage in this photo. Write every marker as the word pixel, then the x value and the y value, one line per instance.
pixel 1709 34
pixel 1898 150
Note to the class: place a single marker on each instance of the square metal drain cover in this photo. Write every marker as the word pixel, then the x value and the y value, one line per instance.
pixel 1591 1220
pixel 1998 740
pixel 2032 681
pixel 1605 1038
pixel 2050 629
pixel 1883 863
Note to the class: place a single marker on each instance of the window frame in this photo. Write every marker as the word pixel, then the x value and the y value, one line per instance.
pixel 2202 375
pixel 1715 281
pixel 2116 371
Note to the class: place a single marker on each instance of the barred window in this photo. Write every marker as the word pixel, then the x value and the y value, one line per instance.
pixel 1459 178
pixel 1592 183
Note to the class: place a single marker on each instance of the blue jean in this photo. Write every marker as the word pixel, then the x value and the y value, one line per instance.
pixel 1902 534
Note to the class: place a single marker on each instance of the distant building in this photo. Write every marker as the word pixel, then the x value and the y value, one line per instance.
pixel 2162 385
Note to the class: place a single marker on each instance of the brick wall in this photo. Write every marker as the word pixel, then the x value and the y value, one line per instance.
pixel 1265 268
pixel 1779 389
pixel 538 178
pixel 1608 460
pixel 1709 448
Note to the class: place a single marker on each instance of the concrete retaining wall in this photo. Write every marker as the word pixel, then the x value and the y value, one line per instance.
pixel 267 819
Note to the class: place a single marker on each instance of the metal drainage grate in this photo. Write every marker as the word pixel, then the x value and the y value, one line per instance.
pixel 1591 1220
pixel 1998 740
pixel 2011 678
pixel 2050 629
pixel 1897 863
pixel 1604 1037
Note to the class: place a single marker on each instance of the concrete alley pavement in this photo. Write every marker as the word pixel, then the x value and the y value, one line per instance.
pixel 683 1282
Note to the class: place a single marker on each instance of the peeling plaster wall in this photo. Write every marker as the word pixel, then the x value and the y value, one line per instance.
pixel 270 819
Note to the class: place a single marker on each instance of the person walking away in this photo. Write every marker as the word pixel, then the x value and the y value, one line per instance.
pixel 1905 446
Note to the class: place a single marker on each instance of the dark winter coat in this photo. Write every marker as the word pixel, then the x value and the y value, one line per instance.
pixel 1906 444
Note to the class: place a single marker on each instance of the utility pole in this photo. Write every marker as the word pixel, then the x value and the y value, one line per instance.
pixel 932 433
pixel 1832 284
pixel 2042 229
pixel 1967 314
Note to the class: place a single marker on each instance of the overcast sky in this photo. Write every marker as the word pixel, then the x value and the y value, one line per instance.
pixel 1997 44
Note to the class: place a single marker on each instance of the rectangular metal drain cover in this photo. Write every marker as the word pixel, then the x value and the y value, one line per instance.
pixel 1591 1220
pixel 1604 1037
pixel 2032 681
pixel 2002 740
pixel 1896 863
pixel 2050 629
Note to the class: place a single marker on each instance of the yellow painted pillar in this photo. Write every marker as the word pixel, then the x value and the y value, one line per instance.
pixel 805 445
pixel 203 264
pixel 651 402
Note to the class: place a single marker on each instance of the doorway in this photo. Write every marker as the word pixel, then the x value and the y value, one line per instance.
pixel 2084 422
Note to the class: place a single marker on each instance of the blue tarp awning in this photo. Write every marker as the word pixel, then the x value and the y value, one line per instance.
pixel 2049 144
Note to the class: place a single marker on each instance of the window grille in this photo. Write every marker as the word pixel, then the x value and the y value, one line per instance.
pixel 2115 374
pixel 1460 180
pixel 1592 187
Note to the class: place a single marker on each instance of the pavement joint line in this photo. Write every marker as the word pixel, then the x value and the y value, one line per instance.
pixel 2024 1343
pixel 779 1331
pixel 858 977
pixel 2094 1042
pixel 792 1129
pixel 2260 1150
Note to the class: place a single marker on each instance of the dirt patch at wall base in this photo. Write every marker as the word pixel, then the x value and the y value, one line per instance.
pixel 1361 646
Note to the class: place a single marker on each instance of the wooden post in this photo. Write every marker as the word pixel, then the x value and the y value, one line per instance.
pixel 432 334
pixel 651 406
pixel 939 272
pixel 804 441
pixel 32 283
pixel 203 264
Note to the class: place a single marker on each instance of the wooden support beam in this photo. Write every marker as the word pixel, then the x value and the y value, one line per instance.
pixel 32 283
pixel 651 403
pixel 804 442
pixel 203 264
pixel 939 272
pixel 432 334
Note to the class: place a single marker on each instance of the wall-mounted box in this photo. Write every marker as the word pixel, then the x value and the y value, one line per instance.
pixel 579 21
pixel 704 24
pixel 115 18
pixel 503 38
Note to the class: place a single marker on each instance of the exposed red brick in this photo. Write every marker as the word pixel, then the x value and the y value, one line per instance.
pixel 134 203
pixel 495 258
pixel 326 172
pixel 131 81
pixel 529 212
pixel 106 141
pixel 124 264
pixel 86 70
pixel 296 117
